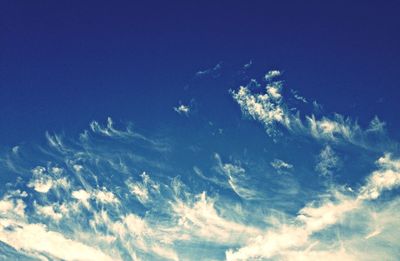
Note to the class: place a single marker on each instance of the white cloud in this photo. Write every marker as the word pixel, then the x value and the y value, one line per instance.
pixel 202 220
pixel 328 161
pixel 143 190
pixel 42 185
pixel 281 165
pixel 386 178
pixel 214 71
pixel 236 178
pixel 269 108
pixel 264 107
pixel 248 65
pixel 317 107
pixel 272 74
pixel 376 125
pixel 108 130
pixel 337 224
pixel 293 240
pixel 140 191
pixel 182 109
pixel 37 238
pixel 105 196
pixel 274 92
pixel 82 196
pixel 373 234
pixel 57 170
pixel 13 207
pixel 56 142
pixel 42 181
pixel 338 128
pixel 77 167
pixel 48 211
pixel 15 149
pixel 298 97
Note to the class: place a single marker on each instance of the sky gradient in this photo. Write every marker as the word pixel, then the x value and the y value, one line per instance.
pixel 199 130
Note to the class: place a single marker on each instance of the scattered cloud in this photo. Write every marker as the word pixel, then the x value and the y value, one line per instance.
pixel 328 161
pixel 182 109
pixel 201 219
pixel 82 199
pixel 270 75
pixel 213 72
pixel 143 190
pixel 281 166
pixel 298 97
pixel 270 108
pixel 248 65
pixel 36 238
pixel 236 178
pixel 298 240
pixel 42 181
pixel 317 107
pixel 266 107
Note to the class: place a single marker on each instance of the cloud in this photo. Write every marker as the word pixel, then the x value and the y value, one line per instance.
pixel 248 65
pixel 270 75
pixel 143 190
pixel 281 165
pixel 105 210
pixel 48 211
pixel 127 135
pixel 37 238
pixel 106 197
pixel 82 196
pixel 270 108
pixel 295 240
pixel 213 72
pixel 298 97
pixel 12 208
pixel 236 178
pixel 202 220
pixel 386 178
pixel 267 107
pixel 182 109
pixel 42 181
pixel 317 107
pixel 376 125
pixel 328 161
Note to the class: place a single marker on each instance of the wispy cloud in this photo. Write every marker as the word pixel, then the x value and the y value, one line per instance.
pixel 281 166
pixel 116 194
pixel 328 161
pixel 248 65
pixel 202 220
pixel 270 108
pixel 298 240
pixel 213 72
pixel 298 97
pixel 267 107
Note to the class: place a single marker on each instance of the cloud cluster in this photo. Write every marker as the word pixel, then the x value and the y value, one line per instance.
pixel 270 108
pixel 115 194
pixel 298 239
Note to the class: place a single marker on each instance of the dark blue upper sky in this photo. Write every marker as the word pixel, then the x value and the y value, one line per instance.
pixel 63 64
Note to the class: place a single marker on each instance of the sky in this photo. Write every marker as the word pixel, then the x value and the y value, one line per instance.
pixel 234 130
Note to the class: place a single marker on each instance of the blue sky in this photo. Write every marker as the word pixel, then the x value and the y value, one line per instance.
pixel 199 131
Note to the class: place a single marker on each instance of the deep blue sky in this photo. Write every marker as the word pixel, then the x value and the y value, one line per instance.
pixel 239 168
pixel 63 64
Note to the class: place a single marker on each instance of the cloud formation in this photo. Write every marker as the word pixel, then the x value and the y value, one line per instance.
pixel 270 108
pixel 115 194
pixel 297 240
pixel 182 109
